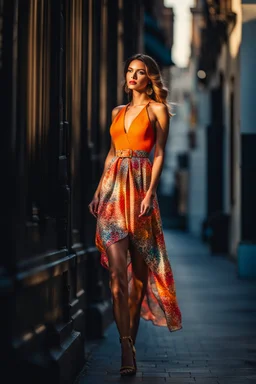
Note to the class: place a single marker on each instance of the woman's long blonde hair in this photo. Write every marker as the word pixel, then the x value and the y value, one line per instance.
pixel 160 92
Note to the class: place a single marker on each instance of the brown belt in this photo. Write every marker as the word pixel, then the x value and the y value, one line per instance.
pixel 130 153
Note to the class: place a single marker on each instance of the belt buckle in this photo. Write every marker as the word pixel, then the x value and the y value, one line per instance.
pixel 130 153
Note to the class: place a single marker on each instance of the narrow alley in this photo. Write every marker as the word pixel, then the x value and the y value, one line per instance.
pixel 217 344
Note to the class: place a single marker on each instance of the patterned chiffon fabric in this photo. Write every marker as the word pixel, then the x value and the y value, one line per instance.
pixel 124 186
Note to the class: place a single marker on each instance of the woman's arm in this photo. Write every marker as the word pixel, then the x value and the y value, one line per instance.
pixel 93 206
pixel 162 130
pixel 110 154
pixel 109 157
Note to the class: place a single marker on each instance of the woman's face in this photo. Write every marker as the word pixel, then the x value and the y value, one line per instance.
pixel 136 76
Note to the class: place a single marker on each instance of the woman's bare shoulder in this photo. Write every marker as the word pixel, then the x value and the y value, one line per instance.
pixel 116 110
pixel 158 108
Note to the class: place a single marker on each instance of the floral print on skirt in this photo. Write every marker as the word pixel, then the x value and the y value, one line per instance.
pixel 124 186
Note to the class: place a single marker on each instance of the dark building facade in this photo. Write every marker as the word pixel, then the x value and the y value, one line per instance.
pixel 60 70
pixel 223 62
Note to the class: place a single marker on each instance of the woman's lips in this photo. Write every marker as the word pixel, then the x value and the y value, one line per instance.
pixel 132 82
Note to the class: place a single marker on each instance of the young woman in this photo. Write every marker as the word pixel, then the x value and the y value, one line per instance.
pixel 129 232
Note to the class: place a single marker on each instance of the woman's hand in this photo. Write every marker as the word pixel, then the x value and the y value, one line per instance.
pixel 93 206
pixel 146 207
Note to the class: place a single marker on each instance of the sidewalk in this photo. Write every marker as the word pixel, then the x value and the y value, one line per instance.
pixel 218 341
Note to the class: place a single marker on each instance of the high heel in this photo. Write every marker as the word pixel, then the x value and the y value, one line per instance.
pixel 128 370
pixel 134 357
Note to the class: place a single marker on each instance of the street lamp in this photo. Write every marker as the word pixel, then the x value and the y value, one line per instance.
pixel 201 74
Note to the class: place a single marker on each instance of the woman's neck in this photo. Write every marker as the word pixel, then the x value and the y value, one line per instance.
pixel 139 99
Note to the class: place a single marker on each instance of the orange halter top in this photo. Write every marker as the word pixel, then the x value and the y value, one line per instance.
pixel 140 135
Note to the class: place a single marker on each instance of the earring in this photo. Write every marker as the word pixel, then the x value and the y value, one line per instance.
pixel 149 90
pixel 126 89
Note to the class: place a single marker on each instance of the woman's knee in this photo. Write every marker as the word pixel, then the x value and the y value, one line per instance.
pixel 118 284
pixel 138 292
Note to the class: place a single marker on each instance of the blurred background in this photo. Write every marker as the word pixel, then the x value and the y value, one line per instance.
pixel 61 69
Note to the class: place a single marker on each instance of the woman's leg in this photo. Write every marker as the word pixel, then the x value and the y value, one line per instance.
pixel 140 279
pixel 117 256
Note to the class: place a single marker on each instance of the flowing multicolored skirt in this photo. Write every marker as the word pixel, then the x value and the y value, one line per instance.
pixel 124 186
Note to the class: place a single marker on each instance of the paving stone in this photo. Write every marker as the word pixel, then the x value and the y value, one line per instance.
pixel 206 381
pixel 152 369
pixel 155 374
pixel 235 380
pixel 180 380
pixel 218 339
pixel 188 369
